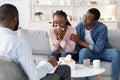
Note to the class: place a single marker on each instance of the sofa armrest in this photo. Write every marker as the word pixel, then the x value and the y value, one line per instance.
pixel 9 70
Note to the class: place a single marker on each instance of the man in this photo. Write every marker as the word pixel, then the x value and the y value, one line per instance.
pixel 92 41
pixel 18 50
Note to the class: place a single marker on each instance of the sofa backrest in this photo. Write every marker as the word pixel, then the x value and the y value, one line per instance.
pixel 114 38
pixel 38 40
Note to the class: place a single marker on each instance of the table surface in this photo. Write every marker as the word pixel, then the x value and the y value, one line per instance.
pixel 82 71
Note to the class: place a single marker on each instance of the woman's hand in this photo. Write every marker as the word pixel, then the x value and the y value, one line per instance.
pixel 59 32
pixel 56 34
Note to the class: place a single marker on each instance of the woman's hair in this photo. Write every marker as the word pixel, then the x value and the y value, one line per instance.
pixel 62 13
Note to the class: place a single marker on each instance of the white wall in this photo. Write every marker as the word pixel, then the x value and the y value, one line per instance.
pixel 23 8
pixel 24 11
pixel 118 13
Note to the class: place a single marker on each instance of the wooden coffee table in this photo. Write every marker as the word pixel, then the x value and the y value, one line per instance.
pixel 82 71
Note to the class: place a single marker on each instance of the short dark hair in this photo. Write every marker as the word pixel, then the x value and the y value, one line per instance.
pixel 62 13
pixel 95 12
pixel 8 11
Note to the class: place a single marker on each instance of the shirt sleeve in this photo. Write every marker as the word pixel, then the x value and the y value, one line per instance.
pixel 91 46
pixel 54 44
pixel 25 59
pixel 67 44
pixel 43 68
pixel 101 41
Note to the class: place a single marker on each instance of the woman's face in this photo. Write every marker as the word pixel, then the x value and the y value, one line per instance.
pixel 59 21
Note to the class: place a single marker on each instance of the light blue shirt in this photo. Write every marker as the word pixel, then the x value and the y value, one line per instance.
pixel 18 50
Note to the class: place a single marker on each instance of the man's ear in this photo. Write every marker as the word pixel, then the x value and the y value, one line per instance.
pixel 15 19
pixel 13 23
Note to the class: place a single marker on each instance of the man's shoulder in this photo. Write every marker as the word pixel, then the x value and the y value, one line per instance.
pixel 101 26
pixel 11 40
pixel 18 40
pixel 15 39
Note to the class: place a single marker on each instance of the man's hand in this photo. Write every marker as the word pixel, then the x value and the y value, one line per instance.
pixel 74 38
pixel 56 34
pixel 53 61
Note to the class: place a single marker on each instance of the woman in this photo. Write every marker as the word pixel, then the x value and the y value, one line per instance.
pixel 59 35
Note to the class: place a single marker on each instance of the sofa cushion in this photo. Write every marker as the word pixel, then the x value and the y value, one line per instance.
pixel 107 66
pixel 114 38
pixel 37 39
pixel 9 70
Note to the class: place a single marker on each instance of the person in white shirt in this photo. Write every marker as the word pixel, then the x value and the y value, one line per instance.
pixel 19 51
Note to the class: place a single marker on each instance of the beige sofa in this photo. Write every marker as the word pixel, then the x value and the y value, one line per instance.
pixel 39 43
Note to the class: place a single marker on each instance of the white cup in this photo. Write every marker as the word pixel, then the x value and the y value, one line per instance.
pixel 96 64
pixel 86 62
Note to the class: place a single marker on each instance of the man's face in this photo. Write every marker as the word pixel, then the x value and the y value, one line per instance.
pixel 88 19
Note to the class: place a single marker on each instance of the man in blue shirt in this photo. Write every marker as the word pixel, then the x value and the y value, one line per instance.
pixel 92 42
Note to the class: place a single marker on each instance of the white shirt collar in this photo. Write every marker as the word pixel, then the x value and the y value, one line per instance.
pixel 7 30
pixel 88 30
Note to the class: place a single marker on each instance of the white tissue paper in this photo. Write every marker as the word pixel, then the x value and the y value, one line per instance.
pixel 68 61
pixel 68 57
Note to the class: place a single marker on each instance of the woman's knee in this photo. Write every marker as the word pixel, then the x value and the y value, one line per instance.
pixel 50 54
pixel 84 53
pixel 64 54
pixel 57 55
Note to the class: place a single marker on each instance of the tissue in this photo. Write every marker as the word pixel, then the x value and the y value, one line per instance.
pixel 68 61
pixel 68 57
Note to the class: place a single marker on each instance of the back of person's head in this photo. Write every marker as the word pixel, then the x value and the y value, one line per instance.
pixel 62 13
pixel 95 12
pixel 7 13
